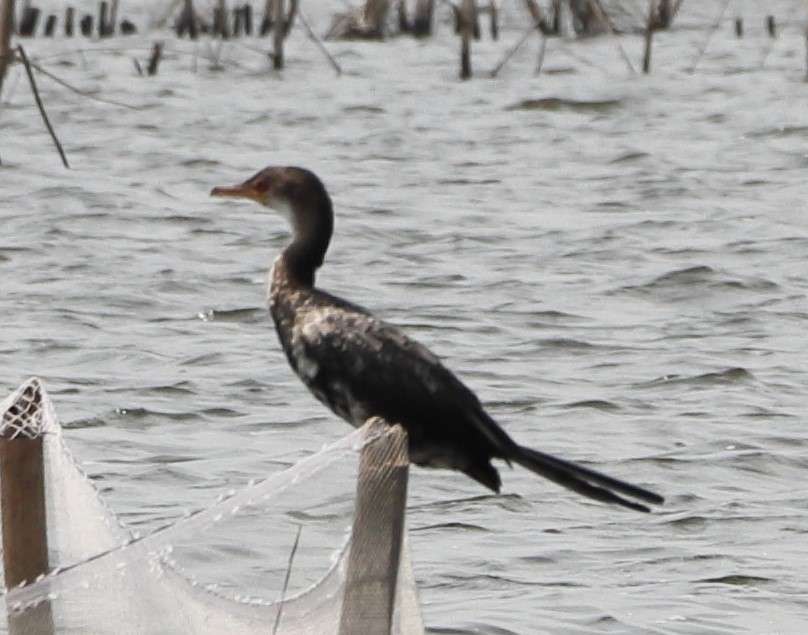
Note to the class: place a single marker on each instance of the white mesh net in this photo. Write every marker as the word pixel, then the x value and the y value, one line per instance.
pixel 107 580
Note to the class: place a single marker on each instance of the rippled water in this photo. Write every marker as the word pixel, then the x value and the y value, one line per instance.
pixel 615 263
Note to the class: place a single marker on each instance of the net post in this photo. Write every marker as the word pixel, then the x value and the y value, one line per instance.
pixel 378 530
pixel 22 505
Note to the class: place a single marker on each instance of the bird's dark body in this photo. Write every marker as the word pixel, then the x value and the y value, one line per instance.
pixel 361 367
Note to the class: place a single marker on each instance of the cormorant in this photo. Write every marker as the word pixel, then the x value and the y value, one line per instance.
pixel 360 366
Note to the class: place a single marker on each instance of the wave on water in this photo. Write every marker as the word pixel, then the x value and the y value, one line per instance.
pixel 699 278
pixel 247 315
pixel 728 376
pixel 572 105
pixel 596 404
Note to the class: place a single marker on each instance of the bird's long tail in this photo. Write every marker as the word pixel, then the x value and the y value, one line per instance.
pixel 584 480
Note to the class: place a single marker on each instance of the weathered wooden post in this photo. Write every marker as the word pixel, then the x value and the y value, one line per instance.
pixel 556 25
pixel 278 34
pixel 465 19
pixel 649 34
pixel 806 53
pixel 378 531
pixel 375 14
pixel 29 21
pixel 50 25
pixel 770 26
pixel 422 21
pixel 22 506
pixel 186 22
pixel 537 16
pixel 86 25
pixel 113 17
pixel 248 19
pixel 220 20
pixel 236 30
pixel 70 16
pixel 739 27
pixel 404 25
pixel 6 29
pixel 154 60
pixel 493 14
pixel 103 7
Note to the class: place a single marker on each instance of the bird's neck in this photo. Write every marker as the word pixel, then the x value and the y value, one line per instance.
pixel 312 233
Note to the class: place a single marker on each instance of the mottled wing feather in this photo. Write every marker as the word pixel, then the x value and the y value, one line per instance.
pixel 389 372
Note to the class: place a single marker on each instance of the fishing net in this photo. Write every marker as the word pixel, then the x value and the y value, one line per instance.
pixel 106 579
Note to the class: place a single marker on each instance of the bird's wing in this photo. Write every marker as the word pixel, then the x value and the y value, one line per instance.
pixel 391 371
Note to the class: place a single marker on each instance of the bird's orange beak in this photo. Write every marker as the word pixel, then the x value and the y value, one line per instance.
pixel 237 191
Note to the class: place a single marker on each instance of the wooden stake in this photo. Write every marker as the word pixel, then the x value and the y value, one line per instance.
pixel 493 14
pixel 30 18
pixel 404 25
pixel 113 17
pixel 86 25
pixel 70 15
pixel 290 17
pixel 542 51
pixel 378 529
pixel 806 54
pixel 556 17
pixel 277 34
pixel 42 112
pixel 102 18
pixel 50 26
pixel 649 34
pixel 770 26
pixel 422 22
pixel 248 19
pixel 465 20
pixel 236 31
pixel 127 27
pixel 512 51
pixel 220 20
pixel 154 60
pixel 22 507
pixel 739 27
pixel 313 36
pixel 6 29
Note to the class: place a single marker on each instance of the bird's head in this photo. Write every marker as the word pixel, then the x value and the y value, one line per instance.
pixel 297 193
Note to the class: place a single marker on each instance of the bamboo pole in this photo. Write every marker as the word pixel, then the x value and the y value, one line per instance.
pixel 374 14
pixel 154 60
pixel 542 51
pixel 422 21
pixel 649 34
pixel 378 530
pixel 86 25
pixel 556 26
pixel 22 507
pixel 38 99
pixel 278 33
pixel 404 25
pixel 313 37
pixel 113 17
pixel 6 29
pixel 806 53
pixel 103 9
pixel 70 15
pixel 28 22
pixel 512 51
pixel 465 19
